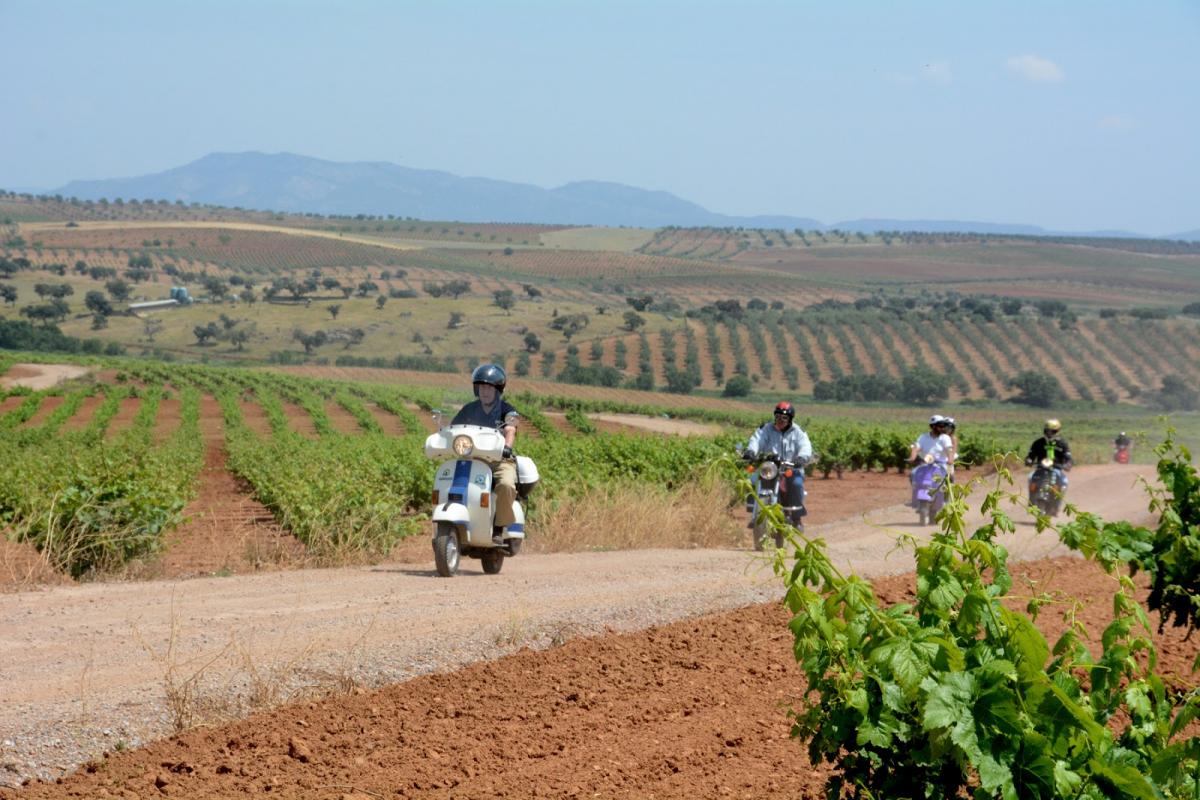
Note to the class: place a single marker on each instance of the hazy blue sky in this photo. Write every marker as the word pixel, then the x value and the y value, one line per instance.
pixel 1070 115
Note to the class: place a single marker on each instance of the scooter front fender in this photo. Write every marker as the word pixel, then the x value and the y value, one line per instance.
pixel 455 513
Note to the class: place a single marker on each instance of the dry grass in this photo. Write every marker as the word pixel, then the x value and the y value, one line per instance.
pixel 515 631
pixel 631 518
pixel 186 681
pixel 23 568
pixel 235 680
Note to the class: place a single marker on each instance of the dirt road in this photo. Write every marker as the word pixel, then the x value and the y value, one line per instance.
pixel 88 668
pixel 238 226
pixel 40 376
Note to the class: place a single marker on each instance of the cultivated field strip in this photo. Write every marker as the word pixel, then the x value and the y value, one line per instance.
pixel 1093 360
pixel 337 465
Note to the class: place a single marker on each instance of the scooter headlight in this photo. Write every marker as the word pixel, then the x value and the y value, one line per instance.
pixel 768 470
pixel 462 445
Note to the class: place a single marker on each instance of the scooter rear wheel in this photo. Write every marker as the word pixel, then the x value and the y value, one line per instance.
pixel 492 560
pixel 446 555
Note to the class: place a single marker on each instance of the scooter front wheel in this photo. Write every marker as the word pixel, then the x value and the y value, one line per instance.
pixel 446 555
pixel 760 535
pixel 924 512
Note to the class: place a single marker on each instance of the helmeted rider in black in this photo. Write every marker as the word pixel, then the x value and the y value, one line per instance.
pixel 1051 441
pixel 1052 444
pixel 490 410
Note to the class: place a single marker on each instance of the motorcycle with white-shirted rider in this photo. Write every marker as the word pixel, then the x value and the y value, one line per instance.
pixel 777 454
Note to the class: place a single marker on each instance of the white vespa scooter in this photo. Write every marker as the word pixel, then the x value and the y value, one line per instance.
pixel 463 501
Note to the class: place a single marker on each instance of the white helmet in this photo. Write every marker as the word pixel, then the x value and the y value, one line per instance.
pixel 937 419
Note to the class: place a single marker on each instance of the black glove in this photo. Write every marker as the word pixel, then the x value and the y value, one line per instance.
pixel 507 452
pixel 748 456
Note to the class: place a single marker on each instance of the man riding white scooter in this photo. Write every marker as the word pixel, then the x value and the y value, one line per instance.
pixel 491 410
pixel 475 508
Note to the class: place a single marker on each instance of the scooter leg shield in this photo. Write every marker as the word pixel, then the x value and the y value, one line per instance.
pixel 517 529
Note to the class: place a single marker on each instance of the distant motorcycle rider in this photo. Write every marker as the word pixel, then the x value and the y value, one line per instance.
pixel 1052 442
pixel 789 443
pixel 1122 445
pixel 781 437
pixel 490 410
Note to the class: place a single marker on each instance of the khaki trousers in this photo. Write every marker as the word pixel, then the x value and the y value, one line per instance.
pixel 504 490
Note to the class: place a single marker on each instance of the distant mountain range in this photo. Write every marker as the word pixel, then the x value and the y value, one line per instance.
pixel 299 184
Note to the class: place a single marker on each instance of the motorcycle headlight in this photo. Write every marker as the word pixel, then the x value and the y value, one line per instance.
pixel 462 445
pixel 768 470
pixel 1047 463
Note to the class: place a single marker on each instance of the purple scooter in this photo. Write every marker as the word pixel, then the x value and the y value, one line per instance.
pixel 928 494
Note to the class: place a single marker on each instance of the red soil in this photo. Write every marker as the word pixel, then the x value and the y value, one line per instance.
pixel 47 407
pixel 299 420
pixel 227 529
pixel 388 421
pixel 124 416
pixel 9 403
pixel 83 415
pixel 254 417
pixel 168 418
pixel 341 419
pixel 426 418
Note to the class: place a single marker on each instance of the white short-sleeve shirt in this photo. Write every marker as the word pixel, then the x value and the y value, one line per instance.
pixel 940 447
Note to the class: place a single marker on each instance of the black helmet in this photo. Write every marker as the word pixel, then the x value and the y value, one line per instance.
pixel 491 374
pixel 785 408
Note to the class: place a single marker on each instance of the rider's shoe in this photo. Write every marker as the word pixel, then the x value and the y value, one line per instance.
pixel 498 536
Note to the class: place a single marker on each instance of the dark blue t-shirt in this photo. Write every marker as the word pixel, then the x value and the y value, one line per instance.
pixel 474 414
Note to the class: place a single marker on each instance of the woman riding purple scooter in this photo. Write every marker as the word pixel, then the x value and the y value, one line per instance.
pixel 932 452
